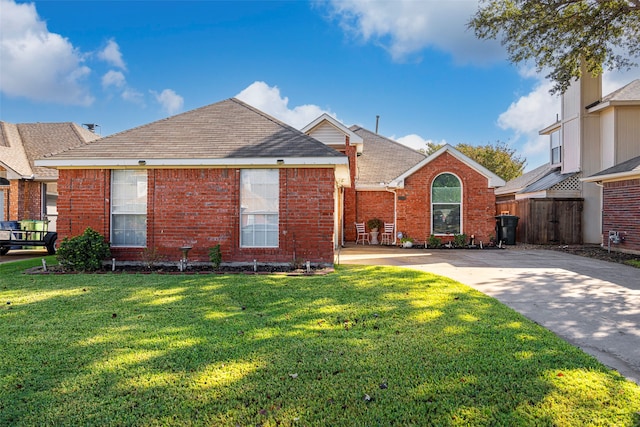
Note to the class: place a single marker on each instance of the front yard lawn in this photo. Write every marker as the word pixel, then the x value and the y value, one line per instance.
pixel 366 346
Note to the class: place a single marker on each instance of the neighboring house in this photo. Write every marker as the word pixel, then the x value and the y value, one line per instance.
pixel 224 174
pixel 28 192
pixel 558 202
pixel 443 194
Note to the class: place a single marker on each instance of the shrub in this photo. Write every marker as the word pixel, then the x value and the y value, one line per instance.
pixel 459 240
pixel 215 256
pixel 84 252
pixel 434 242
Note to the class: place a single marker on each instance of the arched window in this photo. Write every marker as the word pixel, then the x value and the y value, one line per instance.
pixel 446 203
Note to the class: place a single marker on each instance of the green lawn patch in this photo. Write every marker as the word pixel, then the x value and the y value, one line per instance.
pixel 365 346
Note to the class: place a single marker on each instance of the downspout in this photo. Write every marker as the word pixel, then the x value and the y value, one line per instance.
pixel 395 213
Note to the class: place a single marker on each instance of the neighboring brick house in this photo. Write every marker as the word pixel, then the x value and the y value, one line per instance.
pixel 397 184
pixel 621 205
pixel 224 174
pixel 28 192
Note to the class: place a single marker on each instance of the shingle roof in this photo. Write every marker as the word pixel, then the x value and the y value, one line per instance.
pixel 228 129
pixel 21 144
pixel 627 166
pixel 521 182
pixel 382 159
pixel 629 92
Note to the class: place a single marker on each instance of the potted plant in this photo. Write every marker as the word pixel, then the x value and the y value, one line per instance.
pixel 374 224
pixel 406 242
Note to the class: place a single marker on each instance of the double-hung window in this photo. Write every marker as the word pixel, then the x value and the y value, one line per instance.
pixel 259 208
pixel 129 208
pixel 446 203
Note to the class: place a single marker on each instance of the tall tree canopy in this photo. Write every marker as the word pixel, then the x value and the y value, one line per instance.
pixel 499 158
pixel 559 35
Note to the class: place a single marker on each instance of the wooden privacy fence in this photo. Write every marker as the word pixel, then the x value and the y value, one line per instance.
pixel 546 220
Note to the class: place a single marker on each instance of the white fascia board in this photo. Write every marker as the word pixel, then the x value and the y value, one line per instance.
pixel 493 179
pixel 620 176
pixel 604 105
pixel 181 163
pixel 550 129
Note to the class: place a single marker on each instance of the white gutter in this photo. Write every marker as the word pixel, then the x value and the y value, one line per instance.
pixel 173 163
pixel 620 176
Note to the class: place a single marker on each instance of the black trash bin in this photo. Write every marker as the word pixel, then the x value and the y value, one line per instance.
pixel 506 228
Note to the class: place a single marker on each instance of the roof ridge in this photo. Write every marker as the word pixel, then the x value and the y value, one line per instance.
pixel 393 141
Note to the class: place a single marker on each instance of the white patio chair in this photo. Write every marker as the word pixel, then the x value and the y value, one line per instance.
pixel 362 235
pixel 387 234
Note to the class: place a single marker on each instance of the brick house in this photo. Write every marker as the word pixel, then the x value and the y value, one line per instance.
pixel 27 191
pixel 621 205
pixel 443 194
pixel 223 174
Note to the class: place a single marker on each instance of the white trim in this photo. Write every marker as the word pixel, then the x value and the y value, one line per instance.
pixel 354 139
pixel 461 212
pixel 493 179
pixel 228 162
pixel 615 103
pixel 620 176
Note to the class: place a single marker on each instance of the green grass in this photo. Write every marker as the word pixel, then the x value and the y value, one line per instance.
pixel 365 346
pixel 633 262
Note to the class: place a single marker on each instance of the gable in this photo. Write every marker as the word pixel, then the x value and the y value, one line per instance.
pixel 493 180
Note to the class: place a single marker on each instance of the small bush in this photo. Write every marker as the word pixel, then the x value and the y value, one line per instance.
pixel 84 252
pixel 459 240
pixel 434 242
pixel 215 256
pixel 151 257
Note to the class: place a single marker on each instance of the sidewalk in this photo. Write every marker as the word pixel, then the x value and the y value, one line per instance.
pixel 594 305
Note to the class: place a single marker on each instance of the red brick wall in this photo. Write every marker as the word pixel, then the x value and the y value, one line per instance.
pixel 478 201
pixel 621 201
pixel 24 200
pixel 83 201
pixel 374 204
pixel 200 208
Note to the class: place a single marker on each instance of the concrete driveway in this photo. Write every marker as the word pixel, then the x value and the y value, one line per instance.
pixel 594 305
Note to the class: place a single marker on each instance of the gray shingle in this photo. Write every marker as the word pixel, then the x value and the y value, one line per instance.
pixel 383 159
pixel 227 129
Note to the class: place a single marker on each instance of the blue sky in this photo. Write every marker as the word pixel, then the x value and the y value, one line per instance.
pixel 122 64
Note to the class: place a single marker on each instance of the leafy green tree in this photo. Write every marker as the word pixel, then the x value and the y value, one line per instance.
pixel 499 158
pixel 560 35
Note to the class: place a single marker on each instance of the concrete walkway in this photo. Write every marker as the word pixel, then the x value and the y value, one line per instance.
pixel 594 305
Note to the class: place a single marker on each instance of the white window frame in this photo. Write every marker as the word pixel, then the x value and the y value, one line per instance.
pixel 435 204
pixel 259 208
pixel 556 146
pixel 129 208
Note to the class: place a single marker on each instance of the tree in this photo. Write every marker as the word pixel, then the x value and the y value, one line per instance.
pixel 560 35
pixel 499 158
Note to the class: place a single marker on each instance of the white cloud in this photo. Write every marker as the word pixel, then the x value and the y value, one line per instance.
pixel 405 27
pixel 111 54
pixel 113 78
pixel 268 99
pixel 170 101
pixel 527 116
pixel 416 141
pixel 132 95
pixel 37 64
